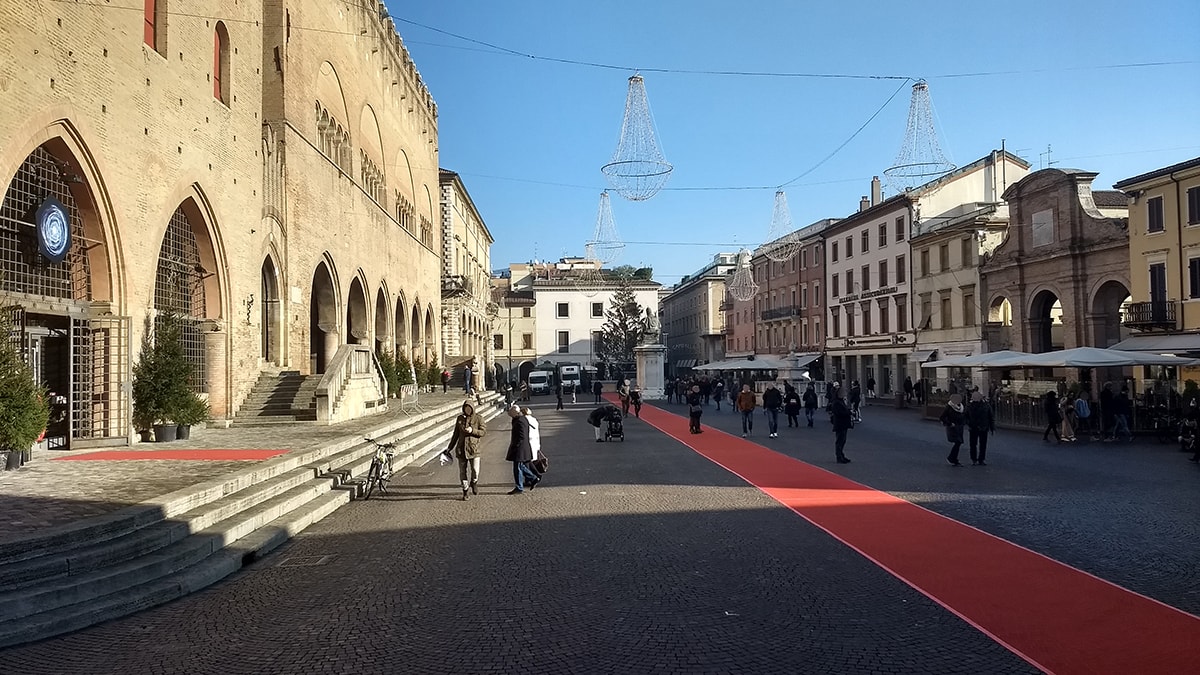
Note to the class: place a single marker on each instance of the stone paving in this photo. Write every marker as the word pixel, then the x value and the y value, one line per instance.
pixel 643 557
pixel 45 492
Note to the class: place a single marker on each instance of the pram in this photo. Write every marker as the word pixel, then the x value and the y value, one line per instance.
pixel 616 428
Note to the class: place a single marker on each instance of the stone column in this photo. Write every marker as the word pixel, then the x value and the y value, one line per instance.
pixel 215 368
pixel 650 370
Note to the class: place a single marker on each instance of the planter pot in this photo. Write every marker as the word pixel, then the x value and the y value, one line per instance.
pixel 12 459
pixel 165 433
pixel 144 436
pixel 183 432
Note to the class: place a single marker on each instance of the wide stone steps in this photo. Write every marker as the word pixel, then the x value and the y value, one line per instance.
pixel 286 396
pixel 73 576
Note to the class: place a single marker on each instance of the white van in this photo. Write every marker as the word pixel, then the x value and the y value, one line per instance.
pixel 539 382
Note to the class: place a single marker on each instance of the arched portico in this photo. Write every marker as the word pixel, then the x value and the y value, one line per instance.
pixel 323 318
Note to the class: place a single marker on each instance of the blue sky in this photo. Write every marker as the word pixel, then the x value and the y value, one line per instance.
pixel 528 136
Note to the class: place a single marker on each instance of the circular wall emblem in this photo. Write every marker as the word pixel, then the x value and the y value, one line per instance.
pixel 53 230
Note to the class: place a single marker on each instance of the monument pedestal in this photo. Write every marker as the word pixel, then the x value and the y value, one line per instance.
pixel 650 360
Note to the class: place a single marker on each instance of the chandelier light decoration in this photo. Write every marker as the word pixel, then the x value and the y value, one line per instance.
pixel 587 276
pixel 741 286
pixel 606 243
pixel 920 158
pixel 638 169
pixel 783 242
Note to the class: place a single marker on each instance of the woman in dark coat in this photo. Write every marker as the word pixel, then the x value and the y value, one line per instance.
pixel 791 405
pixel 954 419
pixel 1053 416
pixel 520 452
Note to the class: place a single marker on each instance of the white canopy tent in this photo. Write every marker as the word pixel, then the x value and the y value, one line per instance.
pixel 975 360
pixel 764 362
pixel 1085 357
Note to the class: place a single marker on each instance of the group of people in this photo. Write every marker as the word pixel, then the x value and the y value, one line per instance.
pixel 1076 414
pixel 524 448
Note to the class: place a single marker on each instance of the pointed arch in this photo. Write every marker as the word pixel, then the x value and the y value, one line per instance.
pixel 383 319
pixel 430 332
pixel 358 329
pixel 400 335
pixel 323 314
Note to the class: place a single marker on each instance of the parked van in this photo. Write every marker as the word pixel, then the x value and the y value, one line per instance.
pixel 539 382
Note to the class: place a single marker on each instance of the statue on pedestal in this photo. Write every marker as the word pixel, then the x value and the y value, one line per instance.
pixel 653 333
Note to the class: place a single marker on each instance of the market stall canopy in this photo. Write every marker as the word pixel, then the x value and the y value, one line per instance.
pixel 764 362
pixel 1160 344
pixel 923 355
pixel 974 361
pixel 1088 357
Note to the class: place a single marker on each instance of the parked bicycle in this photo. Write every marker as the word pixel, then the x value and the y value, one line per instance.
pixel 1164 424
pixel 380 472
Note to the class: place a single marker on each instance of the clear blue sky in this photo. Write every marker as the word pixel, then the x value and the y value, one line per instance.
pixel 529 136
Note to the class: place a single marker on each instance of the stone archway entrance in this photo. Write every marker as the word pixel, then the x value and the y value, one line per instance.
pixel 323 313
pixel 357 332
pixel 270 313
pixel 61 302
pixel 1108 309
pixel 1045 323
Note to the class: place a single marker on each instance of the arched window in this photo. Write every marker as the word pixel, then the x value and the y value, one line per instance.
pixel 179 289
pixel 221 63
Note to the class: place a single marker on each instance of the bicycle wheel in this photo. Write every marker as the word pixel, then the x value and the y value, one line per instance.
pixel 372 479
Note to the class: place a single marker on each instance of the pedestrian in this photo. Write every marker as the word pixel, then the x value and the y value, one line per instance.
pixel 1106 411
pixel 467 383
pixel 856 401
pixel 1083 413
pixel 980 423
pixel 508 393
pixel 908 389
pixel 695 410
pixel 1053 417
pixel 772 402
pixel 623 395
pixel 598 416
pixel 574 390
pixel 747 401
pixel 1121 407
pixel 445 380
pixel 810 403
pixel 558 395
pixel 839 414
pixel 635 398
pixel 520 452
pixel 953 419
pixel 870 387
pixel 919 391
pixel 524 390
pixel 669 390
pixel 469 427
pixel 791 405
pixel 535 441
pixel 1066 410
pixel 597 389
pixel 705 389
pixel 718 392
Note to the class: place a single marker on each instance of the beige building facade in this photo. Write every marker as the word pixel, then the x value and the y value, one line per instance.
pixel 266 171
pixel 467 308
pixel 693 325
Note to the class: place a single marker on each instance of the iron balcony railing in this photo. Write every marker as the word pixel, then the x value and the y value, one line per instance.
pixel 780 312
pixel 1154 314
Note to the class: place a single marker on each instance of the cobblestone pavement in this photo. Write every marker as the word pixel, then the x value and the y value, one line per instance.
pixel 643 557
pixel 47 492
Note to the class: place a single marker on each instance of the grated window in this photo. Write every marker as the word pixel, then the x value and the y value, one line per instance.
pixel 22 269
pixel 179 288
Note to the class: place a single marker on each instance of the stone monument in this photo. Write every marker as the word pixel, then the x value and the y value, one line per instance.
pixel 650 356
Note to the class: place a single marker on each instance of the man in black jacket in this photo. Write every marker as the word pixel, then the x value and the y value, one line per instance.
pixel 980 423
pixel 840 415
pixel 597 389
pixel 772 402
pixel 520 452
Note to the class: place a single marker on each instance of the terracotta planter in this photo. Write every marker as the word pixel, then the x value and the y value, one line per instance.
pixel 165 433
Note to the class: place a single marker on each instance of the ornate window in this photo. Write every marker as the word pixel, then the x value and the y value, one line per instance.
pixel 179 289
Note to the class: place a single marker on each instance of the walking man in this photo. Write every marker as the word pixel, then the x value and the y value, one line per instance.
pixel 747 401
pixel 597 389
pixel 772 402
pixel 558 393
pixel 870 387
pixel 467 384
pixel 980 423
pixel 695 410
pixel 810 403
pixel 469 427
pixel 842 423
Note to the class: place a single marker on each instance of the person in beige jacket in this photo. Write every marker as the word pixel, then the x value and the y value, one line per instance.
pixel 469 427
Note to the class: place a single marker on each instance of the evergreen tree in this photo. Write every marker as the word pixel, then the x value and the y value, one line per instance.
pixel 624 325
pixel 23 408
pixel 404 373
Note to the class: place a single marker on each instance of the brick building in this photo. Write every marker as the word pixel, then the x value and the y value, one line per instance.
pixel 269 172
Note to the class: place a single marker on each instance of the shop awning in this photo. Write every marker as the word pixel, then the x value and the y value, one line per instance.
pixel 805 359
pixel 923 355
pixel 685 363
pixel 1180 343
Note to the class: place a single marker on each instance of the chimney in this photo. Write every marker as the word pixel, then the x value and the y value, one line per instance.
pixel 864 204
pixel 876 191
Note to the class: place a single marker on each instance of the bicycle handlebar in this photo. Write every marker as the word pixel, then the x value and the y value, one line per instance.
pixel 391 445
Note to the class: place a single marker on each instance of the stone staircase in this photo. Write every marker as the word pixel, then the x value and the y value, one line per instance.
pixel 73 576
pixel 284 398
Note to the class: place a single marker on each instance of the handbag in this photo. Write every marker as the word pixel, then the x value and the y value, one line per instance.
pixel 541 464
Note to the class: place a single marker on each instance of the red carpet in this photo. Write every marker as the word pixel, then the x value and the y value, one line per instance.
pixel 1058 618
pixel 210 455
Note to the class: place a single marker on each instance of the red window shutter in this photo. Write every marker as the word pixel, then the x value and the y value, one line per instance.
pixel 217 65
pixel 150 30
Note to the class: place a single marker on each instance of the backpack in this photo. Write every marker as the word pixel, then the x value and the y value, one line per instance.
pixel 1082 410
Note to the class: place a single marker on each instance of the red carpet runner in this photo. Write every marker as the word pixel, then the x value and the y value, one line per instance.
pixel 201 455
pixel 1058 618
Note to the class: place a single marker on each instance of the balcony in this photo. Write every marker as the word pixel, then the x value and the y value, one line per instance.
pixel 457 285
pixel 780 313
pixel 725 306
pixel 728 330
pixel 1153 315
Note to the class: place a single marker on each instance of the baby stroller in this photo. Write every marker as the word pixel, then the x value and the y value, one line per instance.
pixel 616 429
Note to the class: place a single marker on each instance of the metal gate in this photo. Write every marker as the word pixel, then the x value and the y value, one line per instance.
pixel 100 378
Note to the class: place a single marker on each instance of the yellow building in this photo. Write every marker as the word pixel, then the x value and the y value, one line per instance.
pixel 1164 260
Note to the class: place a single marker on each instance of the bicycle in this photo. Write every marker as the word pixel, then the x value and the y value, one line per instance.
pixel 380 472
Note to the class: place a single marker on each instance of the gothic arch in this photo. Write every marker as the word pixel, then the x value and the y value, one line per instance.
pixel 323 314
pixel 358 327
pixel 400 335
pixel 383 319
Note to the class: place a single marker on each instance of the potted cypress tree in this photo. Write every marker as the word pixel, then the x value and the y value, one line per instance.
pixel 433 373
pixel 191 410
pixel 160 385
pixel 24 412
